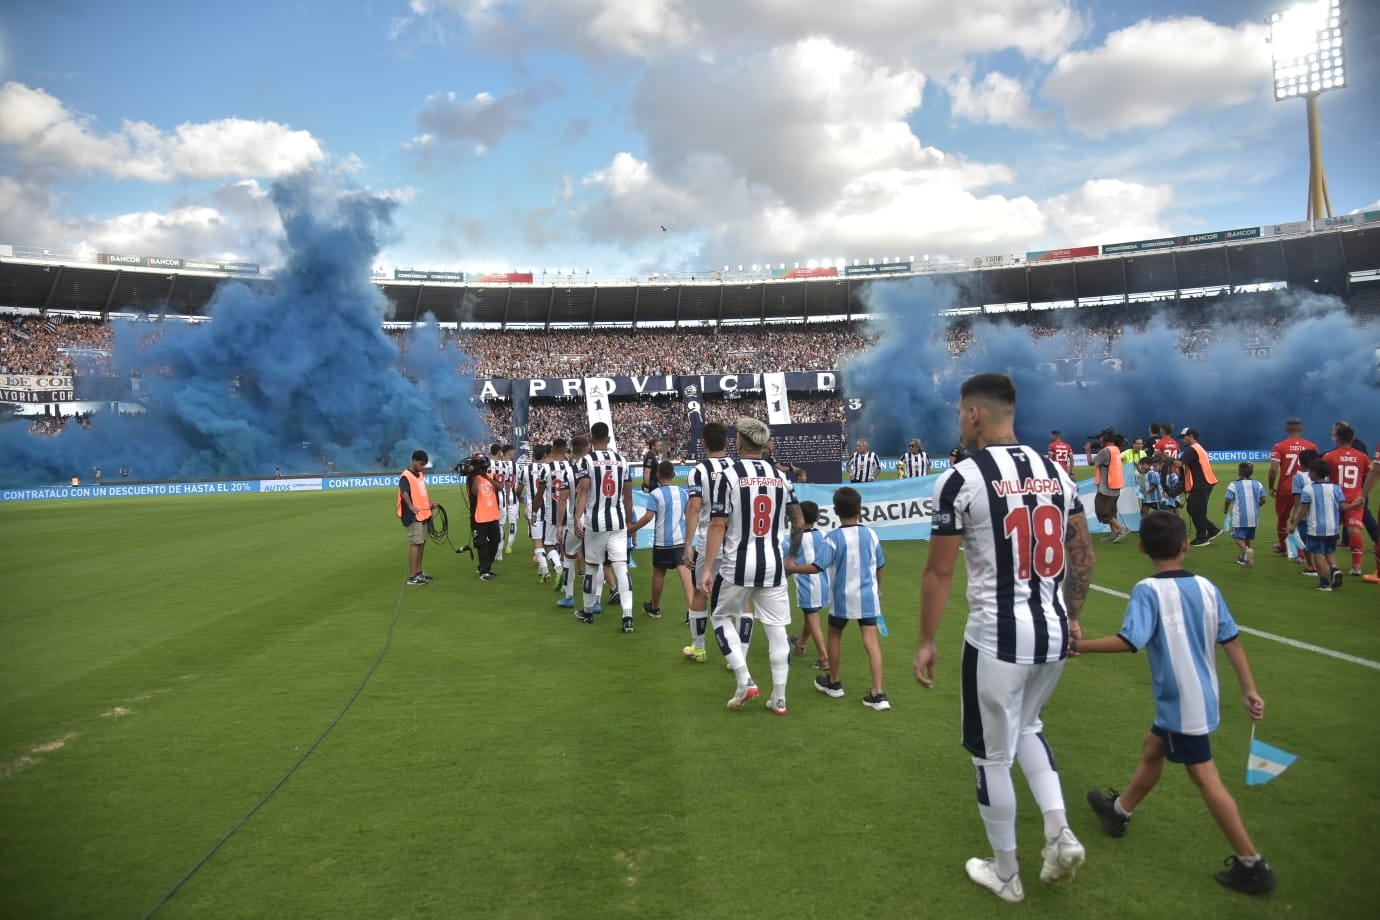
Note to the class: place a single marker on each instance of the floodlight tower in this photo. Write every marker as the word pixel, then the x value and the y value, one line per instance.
pixel 1306 45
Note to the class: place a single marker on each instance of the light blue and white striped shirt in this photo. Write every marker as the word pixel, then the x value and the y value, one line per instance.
pixel 811 591
pixel 851 556
pixel 1246 497
pixel 1179 618
pixel 668 504
pixel 1324 508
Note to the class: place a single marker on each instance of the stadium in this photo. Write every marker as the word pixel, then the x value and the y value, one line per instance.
pixel 304 611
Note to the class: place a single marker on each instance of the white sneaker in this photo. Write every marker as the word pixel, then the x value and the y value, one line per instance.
pixel 742 696
pixel 1063 855
pixel 984 872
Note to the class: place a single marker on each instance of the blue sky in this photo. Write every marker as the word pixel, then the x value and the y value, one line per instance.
pixel 567 133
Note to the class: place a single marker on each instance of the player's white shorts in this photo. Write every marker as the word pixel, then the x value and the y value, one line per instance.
pixel 696 548
pixel 536 529
pixel 551 538
pixel 573 544
pixel 510 511
pixel 1002 701
pixel 606 546
pixel 772 606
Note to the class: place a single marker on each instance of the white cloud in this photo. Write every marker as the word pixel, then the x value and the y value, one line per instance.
pixel 1150 73
pixel 936 33
pixel 235 221
pixel 1110 210
pixel 481 121
pixel 840 174
pixel 37 129
pixel 998 99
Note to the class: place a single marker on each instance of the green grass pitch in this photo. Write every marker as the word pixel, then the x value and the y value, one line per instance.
pixel 164 661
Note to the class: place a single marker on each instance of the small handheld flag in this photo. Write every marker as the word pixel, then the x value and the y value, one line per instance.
pixel 1294 545
pixel 1266 762
pixel 881 625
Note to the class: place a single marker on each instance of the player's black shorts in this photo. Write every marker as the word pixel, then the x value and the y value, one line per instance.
pixel 668 557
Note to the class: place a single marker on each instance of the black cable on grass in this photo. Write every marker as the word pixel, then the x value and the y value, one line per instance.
pixel 387 644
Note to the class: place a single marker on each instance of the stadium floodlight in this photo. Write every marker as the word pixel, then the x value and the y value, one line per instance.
pixel 1306 45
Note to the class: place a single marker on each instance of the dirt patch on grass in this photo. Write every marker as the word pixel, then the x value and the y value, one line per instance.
pixel 17 765
pixel 50 746
pixel 116 713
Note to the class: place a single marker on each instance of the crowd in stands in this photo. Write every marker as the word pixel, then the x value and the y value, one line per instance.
pixel 38 346
pixel 691 350
pixel 42 346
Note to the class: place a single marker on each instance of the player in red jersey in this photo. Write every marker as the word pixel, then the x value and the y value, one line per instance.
pixel 1060 452
pixel 1372 480
pixel 1349 470
pixel 1167 446
pixel 1284 463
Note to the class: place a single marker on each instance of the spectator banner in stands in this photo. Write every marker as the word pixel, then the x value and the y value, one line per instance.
pixel 814 448
pixel 709 384
pixel 597 392
pixel 882 268
pixel 1164 242
pixel 1055 255
pixel 522 417
pixel 505 278
pixel 26 388
pixel 778 403
pixel 407 274
pixel 692 398
pixel 793 273
pixel 239 268
pixel 853 419
pixel 997 261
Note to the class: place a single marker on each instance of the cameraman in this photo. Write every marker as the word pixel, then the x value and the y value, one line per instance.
pixel 1110 476
pixel 485 515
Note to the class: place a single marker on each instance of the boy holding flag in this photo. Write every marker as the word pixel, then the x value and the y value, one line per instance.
pixel 1177 617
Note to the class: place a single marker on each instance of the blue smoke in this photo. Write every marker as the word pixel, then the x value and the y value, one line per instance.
pixel 1321 367
pixel 299 375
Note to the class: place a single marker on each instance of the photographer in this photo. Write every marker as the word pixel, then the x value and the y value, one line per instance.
pixel 1110 477
pixel 485 514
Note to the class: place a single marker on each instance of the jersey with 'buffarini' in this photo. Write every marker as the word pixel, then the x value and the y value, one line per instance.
pixel 753 496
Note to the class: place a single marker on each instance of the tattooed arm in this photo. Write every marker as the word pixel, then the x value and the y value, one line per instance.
pixel 1078 571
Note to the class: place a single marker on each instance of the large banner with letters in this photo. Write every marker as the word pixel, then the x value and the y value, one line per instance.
pixel 667 384
pixel 902 509
pixel 32 388
pixel 693 403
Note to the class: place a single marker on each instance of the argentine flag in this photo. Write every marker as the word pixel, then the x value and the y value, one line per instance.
pixel 1266 762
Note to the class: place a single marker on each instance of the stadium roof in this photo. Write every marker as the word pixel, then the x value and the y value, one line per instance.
pixel 1330 262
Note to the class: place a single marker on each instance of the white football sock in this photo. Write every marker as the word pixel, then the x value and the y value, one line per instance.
pixel 699 619
pixel 1037 763
pixel 997 803
pixel 726 634
pixel 594 585
pixel 568 578
pixel 779 653
pixel 625 598
pixel 745 632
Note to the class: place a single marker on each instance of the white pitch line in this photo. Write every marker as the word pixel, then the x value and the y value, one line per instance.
pixel 1285 640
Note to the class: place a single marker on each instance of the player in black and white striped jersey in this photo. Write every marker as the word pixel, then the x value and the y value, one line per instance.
pixel 560 492
pixel 704 476
pixel 529 488
pixel 864 465
pixel 1018 519
pixel 914 462
pixel 743 561
pixel 498 475
pixel 510 513
pixel 604 491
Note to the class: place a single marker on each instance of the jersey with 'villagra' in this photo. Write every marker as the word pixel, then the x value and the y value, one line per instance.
pixel 1012 507
pixel 753 496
